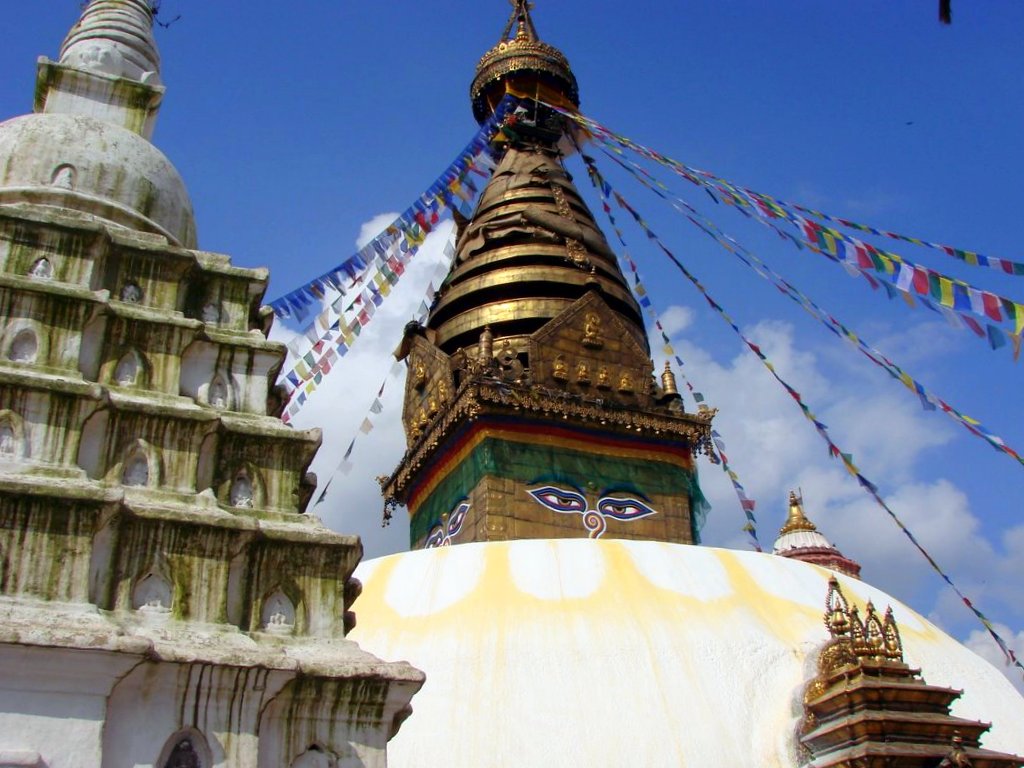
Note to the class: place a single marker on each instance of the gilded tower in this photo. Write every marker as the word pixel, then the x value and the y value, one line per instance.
pixel 531 408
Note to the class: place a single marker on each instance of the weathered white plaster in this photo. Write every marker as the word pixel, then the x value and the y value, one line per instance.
pixel 161 593
pixel 656 665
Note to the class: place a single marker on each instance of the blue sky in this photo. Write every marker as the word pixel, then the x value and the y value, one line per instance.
pixel 295 124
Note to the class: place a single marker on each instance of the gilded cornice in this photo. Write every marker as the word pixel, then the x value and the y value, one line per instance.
pixel 482 394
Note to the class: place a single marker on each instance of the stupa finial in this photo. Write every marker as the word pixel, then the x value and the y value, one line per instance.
pixel 522 20
pixel 114 37
pixel 797 520
pixel 522 63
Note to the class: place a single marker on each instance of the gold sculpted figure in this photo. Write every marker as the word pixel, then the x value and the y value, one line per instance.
pixel 561 371
pixel 419 374
pixel 592 332
pixel 626 381
pixel 603 379
pixel 583 372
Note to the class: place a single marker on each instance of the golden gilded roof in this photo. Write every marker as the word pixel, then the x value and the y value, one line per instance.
pixel 524 59
pixel 530 251
pixel 797 520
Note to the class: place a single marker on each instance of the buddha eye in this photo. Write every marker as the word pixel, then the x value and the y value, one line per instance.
pixel 624 509
pixel 559 499
pixel 435 539
pixel 457 519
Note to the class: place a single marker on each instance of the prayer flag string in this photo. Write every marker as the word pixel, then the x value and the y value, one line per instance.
pixel 954 299
pixel 738 194
pixel 377 406
pixel 905 276
pixel 928 400
pixel 820 427
pixel 453 185
pixel 747 504
pixel 323 365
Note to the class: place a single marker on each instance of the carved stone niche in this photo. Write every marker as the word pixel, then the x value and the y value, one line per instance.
pixel 24 346
pixel 278 614
pixel 153 594
pixel 137 469
pixel 244 491
pixel 12 437
pixel 315 757
pixel 131 370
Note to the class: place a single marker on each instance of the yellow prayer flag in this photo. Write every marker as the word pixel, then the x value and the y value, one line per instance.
pixel 946 291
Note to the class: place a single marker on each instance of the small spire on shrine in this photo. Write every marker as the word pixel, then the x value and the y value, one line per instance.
pixel 797 520
pixel 114 37
pixel 108 69
pixel 800 539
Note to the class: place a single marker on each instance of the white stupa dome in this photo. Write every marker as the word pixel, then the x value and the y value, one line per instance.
pixel 87 148
pixel 609 653
pixel 93 166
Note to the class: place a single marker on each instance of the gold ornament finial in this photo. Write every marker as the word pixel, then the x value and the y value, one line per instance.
pixel 668 380
pixel 521 59
pixel 486 346
pixel 797 520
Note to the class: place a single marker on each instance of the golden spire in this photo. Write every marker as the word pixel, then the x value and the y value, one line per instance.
pixel 522 64
pixel 516 268
pixel 797 520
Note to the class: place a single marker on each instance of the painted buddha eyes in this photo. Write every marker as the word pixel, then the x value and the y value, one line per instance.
pixel 457 518
pixel 595 520
pixel 624 509
pixel 559 499
pixel 443 536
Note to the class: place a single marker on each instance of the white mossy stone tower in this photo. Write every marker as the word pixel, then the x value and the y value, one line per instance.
pixel 163 600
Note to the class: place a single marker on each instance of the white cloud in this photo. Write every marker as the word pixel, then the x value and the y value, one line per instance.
pixel 353 504
pixel 374 227
pixel 676 319
pixel 982 644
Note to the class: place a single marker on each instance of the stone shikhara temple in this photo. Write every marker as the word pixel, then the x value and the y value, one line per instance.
pixel 165 601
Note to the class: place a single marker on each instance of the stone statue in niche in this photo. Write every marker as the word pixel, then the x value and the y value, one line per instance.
pixel 315 757
pixel 153 594
pixel 64 176
pixel 8 441
pixel 42 269
pixel 136 471
pixel 210 312
pixel 278 615
pixel 183 755
pixel 592 332
pixel 240 494
pixel 131 293
pixel 24 347
pixel 127 372
pixel 217 395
